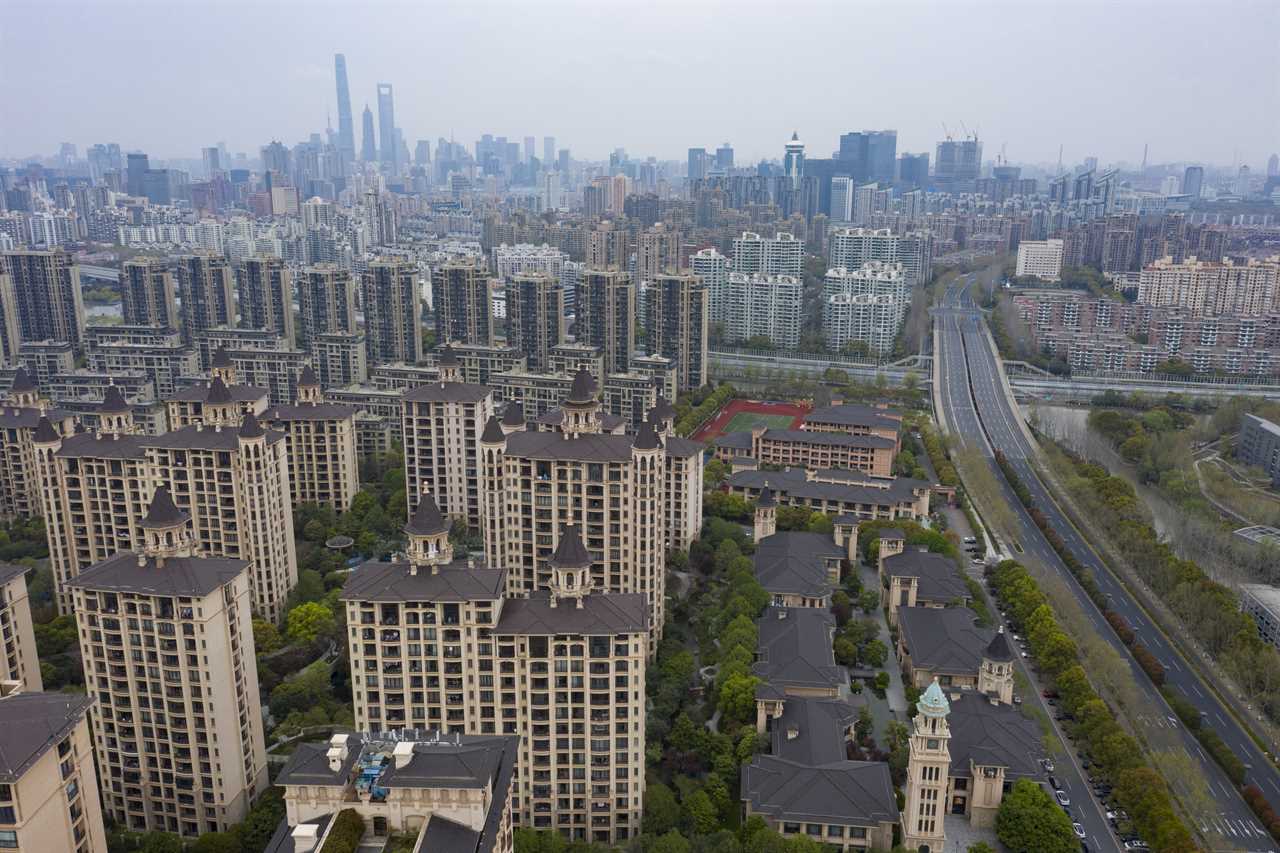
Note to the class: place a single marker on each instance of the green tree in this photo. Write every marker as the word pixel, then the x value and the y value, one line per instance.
pixel 307 622
pixel 874 654
pixel 661 810
pixel 266 636
pixel 217 842
pixel 671 842
pixel 1030 822
pixel 981 847
pixel 161 842
pixel 738 698
pixel 701 813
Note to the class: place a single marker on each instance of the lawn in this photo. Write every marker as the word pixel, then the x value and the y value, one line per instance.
pixel 747 421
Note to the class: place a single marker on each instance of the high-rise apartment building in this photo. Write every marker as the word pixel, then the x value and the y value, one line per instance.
pixel 957 161
pixel 535 317
pixel 782 254
pixel 441 644
pixel 392 311
pixel 10 331
pixel 1208 289
pixel 320 446
pixel 713 269
pixel 462 300
pixel 852 247
pixel 346 130
pixel 769 306
pixel 677 326
pixel 609 247
pixel 19 664
pixel 167 644
pixel 232 476
pixel 20 416
pixel 606 316
pixel 49 785
pixel 148 293
pixel 388 142
pixel 265 287
pixel 1193 181
pixel 866 305
pixel 327 302
pixel 1040 258
pixel 204 288
pixel 657 251
pixel 46 286
pixel 442 425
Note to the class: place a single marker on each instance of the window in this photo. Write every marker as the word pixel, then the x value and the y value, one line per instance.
pixel 8 814
pixel 8 839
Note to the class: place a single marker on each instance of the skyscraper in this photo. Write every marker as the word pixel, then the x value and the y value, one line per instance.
pixel 697 163
pixel 138 167
pixel 265 288
pixel 390 145
pixel 1273 165
pixel 368 144
pixel 47 286
pixel 529 143
pixel 841 199
pixel 393 327
pixel 548 151
pixel 1192 181
pixel 346 132
pixel 535 316
pixel 724 157
pixel 606 306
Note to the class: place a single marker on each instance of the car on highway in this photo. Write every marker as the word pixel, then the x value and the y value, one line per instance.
pixel 1062 798
pixel 1047 764
pixel 969 540
pixel 1053 783
pixel 1078 829
pixel 976 562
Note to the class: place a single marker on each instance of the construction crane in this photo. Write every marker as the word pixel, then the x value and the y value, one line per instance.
pixel 946 132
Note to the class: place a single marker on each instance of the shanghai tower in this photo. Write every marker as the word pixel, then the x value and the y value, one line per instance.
pixel 346 132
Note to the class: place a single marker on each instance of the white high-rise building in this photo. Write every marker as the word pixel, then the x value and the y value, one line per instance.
pixel 552 198
pixel 782 254
pixel 764 305
pixel 869 200
pixel 1169 186
pixel 841 199
pixel 1041 258
pixel 713 268
pixel 852 247
pixel 866 304
pixel 510 261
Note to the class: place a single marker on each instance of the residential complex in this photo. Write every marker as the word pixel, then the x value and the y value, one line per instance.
pixel 1040 258
pixel 148 293
pixel 677 326
pixel 865 306
pixel 1204 288
pixel 48 302
pixel 850 248
pixel 606 316
pixel 392 312
pixel 462 299
pixel 320 446
pixel 757 305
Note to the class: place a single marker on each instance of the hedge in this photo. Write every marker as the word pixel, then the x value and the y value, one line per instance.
pixel 345 834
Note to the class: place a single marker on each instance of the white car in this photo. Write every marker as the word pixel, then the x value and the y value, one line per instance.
pixel 1078 829
pixel 1062 798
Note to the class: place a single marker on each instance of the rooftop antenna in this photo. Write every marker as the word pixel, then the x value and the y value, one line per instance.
pixel 1059 158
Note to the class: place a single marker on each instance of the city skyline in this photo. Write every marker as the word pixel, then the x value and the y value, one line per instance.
pixel 705 93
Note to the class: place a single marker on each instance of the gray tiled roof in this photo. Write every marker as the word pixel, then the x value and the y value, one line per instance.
pixel 854 414
pixel 33 723
pixel 378 581
pixel 309 764
pixel 9 571
pixel 194 576
pixel 26 417
pixel 852 793
pixel 795 562
pixel 939 577
pixel 86 444
pixel 831 439
pixel 682 447
pixel 992 735
pixel 554 445
pixel 282 840
pixel 601 613
pixel 794 649
pixel 447 392
pixel 944 641
pixel 199 393
pixel 309 412
pixel 445 834
pixel 199 437
pixel 812 731
pixel 474 763
pixel 794 484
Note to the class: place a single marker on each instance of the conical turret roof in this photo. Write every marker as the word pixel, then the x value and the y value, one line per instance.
pixel 113 402
pixel 45 433
pixel 307 379
pixel 998 649
pixel 766 498
pixel 427 519
pixel 493 433
pixel 448 358
pixel 22 381
pixel 163 512
pixel 250 428
pixel 583 389
pixel 570 552
pixel 221 358
pixel 933 702
pixel 513 415
pixel 218 391
pixel 646 437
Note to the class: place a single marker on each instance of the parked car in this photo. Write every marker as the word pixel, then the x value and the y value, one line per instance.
pixel 1078 829
pixel 969 540
pixel 1047 764
pixel 1053 783
pixel 1062 798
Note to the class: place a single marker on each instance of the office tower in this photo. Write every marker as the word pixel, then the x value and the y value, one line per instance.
pixel 48 299
pixel 528 153
pixel 865 305
pixel 138 166
pixel 1193 181
pixel 204 287
pixel 148 293
pixel 724 157
pixel 189 617
pixel 697 164
pixel 10 331
pixel 657 251
pixel 562 160
pixel 1242 184
pixel 913 170
pixel 50 786
pixel 793 160
pixel 677 326
pixel 781 254
pixel 852 247
pixel 869 200
pixel 713 269
pixel 535 316
pixel 392 311
pixel 882 154
pixel 265 287
pixel 422 153
pixel 759 305
pixel 841 199
pixel 320 445
pixel 462 299
pixel 548 152
pixel 442 424
pixel 389 149
pixel 606 316
pixel 212 161
pixel 346 130
pixel 327 301
pixel 368 142
pixel 277 162
pixel 521 648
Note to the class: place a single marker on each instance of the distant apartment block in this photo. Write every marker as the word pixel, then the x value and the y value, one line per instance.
pixel 1259 445
pixel 1040 258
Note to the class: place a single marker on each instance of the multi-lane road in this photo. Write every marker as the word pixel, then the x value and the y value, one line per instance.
pixel 978 412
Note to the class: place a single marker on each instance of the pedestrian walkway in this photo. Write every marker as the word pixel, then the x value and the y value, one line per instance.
pixel 894 705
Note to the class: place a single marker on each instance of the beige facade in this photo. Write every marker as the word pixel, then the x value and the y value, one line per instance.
pixel 48 788
pixel 320 446
pixel 19 667
pixel 442 424
pixel 871 454
pixel 441 645
pixel 20 493
pixel 1203 288
pixel 392 311
pixel 168 653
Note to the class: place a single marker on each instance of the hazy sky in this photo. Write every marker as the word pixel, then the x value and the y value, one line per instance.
pixel 1197 80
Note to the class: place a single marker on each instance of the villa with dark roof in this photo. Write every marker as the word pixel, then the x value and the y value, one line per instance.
pixel 947 645
pixel 451 792
pixel 922 579
pixel 837 492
